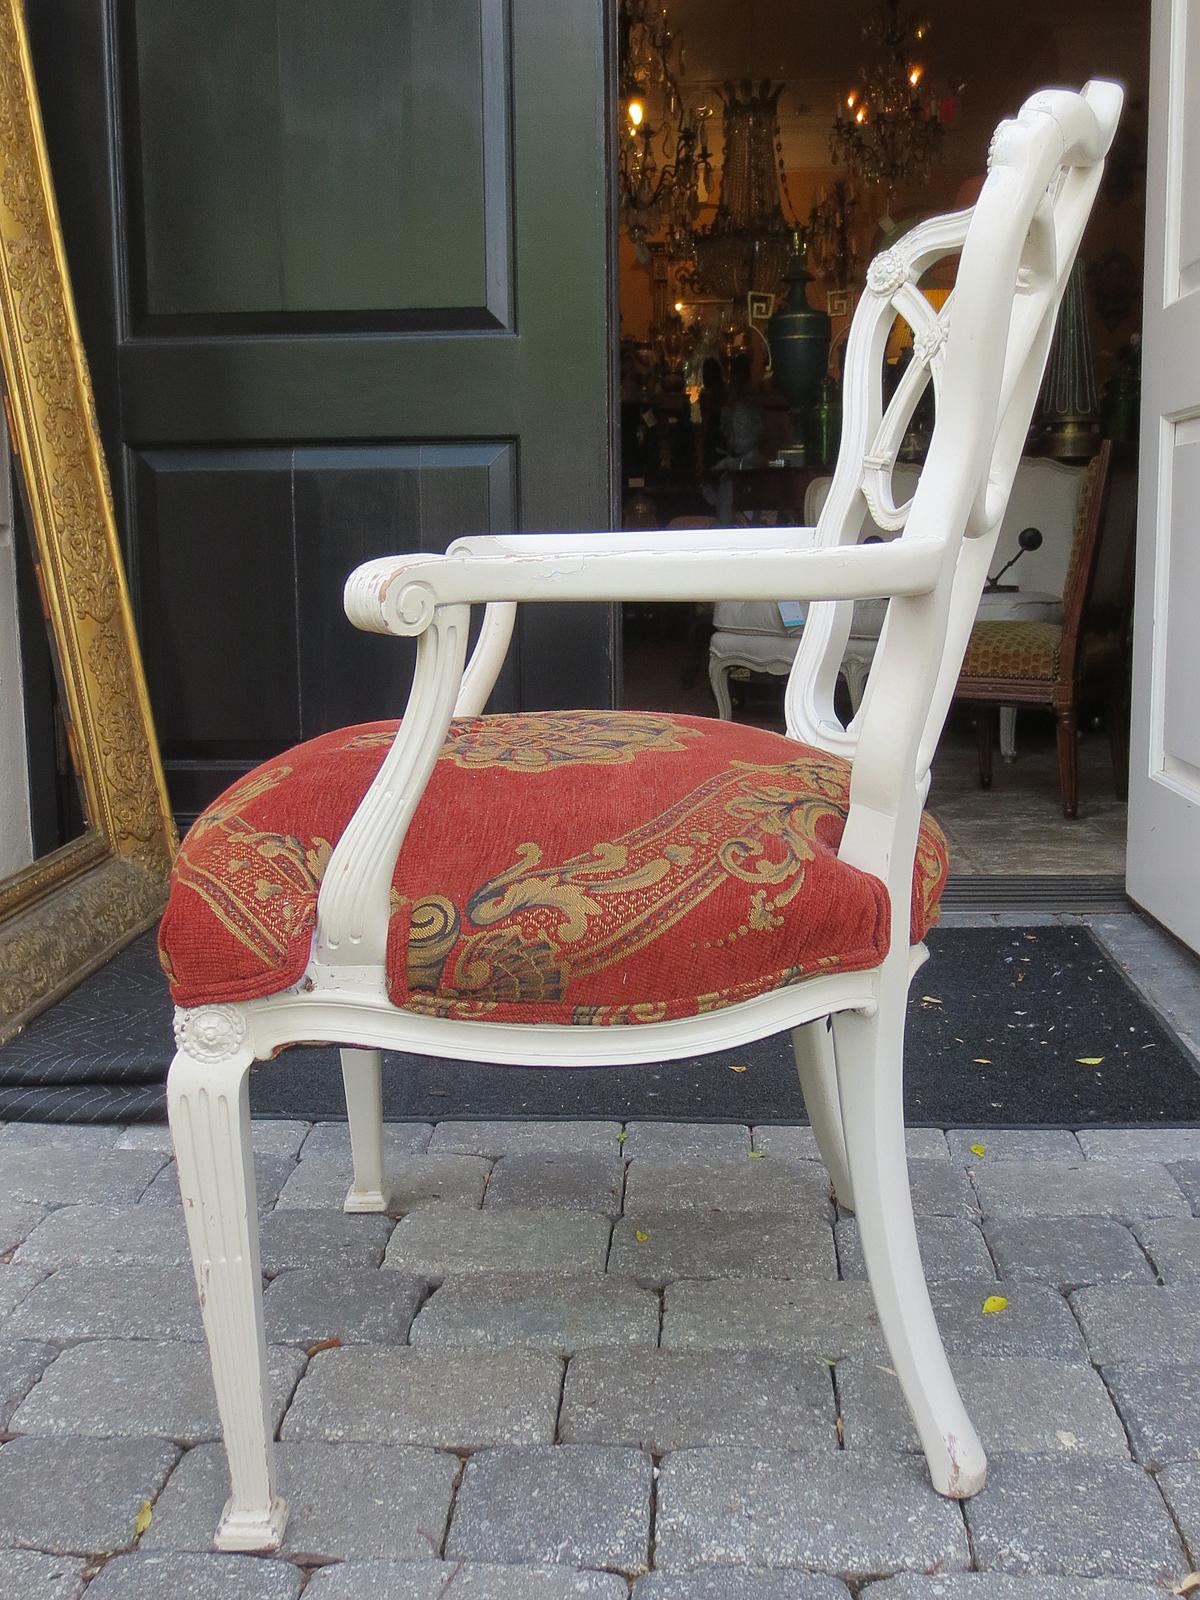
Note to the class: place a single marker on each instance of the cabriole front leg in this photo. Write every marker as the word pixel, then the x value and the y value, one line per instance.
pixel 209 1107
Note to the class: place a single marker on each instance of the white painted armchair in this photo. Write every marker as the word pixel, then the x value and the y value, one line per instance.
pixel 607 887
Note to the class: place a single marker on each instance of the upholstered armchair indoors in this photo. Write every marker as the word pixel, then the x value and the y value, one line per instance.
pixel 606 887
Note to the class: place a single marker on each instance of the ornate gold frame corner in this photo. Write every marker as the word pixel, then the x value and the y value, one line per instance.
pixel 69 911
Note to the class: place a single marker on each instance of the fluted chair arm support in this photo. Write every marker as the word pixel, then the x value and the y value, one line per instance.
pixel 400 594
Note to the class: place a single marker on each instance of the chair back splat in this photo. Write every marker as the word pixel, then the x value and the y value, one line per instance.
pixel 603 887
pixel 985 352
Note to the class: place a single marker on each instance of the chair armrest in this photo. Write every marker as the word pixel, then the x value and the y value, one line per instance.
pixel 399 594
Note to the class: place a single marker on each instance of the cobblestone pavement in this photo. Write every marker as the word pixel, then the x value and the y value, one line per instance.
pixel 586 1362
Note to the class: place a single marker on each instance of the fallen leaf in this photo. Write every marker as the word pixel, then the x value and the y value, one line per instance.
pixel 641 1237
pixel 1187 1585
pixel 1066 1439
pixel 930 1000
pixel 738 1067
pixel 1089 1061
pixel 979 1149
pixel 324 1344
pixel 622 1136
pixel 983 1061
pixel 841 1430
pixel 142 1521
pixel 993 1303
pixel 757 1155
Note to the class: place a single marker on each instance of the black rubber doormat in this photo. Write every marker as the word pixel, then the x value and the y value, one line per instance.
pixel 1008 1027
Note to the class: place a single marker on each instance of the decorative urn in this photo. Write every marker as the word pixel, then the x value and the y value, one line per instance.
pixel 799 339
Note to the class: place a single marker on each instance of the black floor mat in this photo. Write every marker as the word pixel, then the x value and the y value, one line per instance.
pixel 1007 1027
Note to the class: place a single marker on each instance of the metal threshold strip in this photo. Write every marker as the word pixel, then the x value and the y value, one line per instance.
pixel 1028 892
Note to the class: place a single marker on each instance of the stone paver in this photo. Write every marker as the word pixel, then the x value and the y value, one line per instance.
pixel 58 1136
pixel 108 1303
pixel 829 1320
pixel 1082 1188
pixel 18 1219
pixel 1016 1404
pixel 76 1496
pixel 662 1400
pixel 583 1505
pixel 22 1362
pixel 571 1181
pixel 1140 1144
pixel 1160 1407
pixel 474 1580
pixel 561 1314
pixel 1004 1586
pixel 951 1247
pixel 410 1182
pixel 270 1137
pixel 56 1176
pixel 838 1514
pixel 1174 1248
pixel 346 1501
pixel 1081 1517
pixel 439 1240
pixel 1187 1176
pixel 399 1139
pixel 1180 1486
pixel 941 1188
pixel 15 1283
pixel 26 1575
pixel 659 1249
pixel 310 1239
pixel 270 1175
pixel 353 1304
pixel 1012 1144
pixel 132 1389
pixel 685 1140
pixel 1156 1326
pixel 164 1575
pixel 493 1139
pixel 726 1184
pixel 1072 1252
pixel 799 1143
pixel 460 1400
pixel 108 1236
pixel 1036 1321
pixel 733 1583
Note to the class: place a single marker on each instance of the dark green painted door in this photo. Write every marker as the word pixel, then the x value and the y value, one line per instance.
pixel 344 275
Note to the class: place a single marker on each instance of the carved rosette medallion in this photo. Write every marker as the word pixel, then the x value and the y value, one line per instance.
pixel 887 273
pixel 210 1033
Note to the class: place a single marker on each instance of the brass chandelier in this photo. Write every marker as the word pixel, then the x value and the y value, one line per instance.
pixel 663 159
pixel 888 128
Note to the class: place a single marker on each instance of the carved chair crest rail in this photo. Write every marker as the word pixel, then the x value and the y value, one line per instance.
pixel 621 887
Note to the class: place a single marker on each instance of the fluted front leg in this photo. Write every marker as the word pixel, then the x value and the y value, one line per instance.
pixel 209 1106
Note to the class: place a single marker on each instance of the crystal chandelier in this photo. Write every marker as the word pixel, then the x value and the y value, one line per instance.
pixel 663 157
pixel 888 128
pixel 747 244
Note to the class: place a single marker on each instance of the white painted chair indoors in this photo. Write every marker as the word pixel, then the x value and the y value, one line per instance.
pixel 985 351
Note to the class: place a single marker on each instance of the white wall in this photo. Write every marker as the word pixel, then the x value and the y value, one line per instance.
pixel 16 845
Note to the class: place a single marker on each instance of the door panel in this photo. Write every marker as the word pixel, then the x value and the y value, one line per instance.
pixel 287 169
pixel 1163 871
pixel 354 299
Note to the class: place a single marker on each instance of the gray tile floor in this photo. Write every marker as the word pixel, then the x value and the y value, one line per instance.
pixel 585 1361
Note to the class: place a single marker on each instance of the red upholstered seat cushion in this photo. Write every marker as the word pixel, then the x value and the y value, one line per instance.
pixel 583 866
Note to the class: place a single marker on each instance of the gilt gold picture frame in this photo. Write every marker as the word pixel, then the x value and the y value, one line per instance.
pixel 70 910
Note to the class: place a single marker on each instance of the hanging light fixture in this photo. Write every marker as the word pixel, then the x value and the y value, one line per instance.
pixel 889 126
pixel 747 244
pixel 663 158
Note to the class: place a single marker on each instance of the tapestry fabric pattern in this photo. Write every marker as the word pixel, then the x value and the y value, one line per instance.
pixel 588 867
